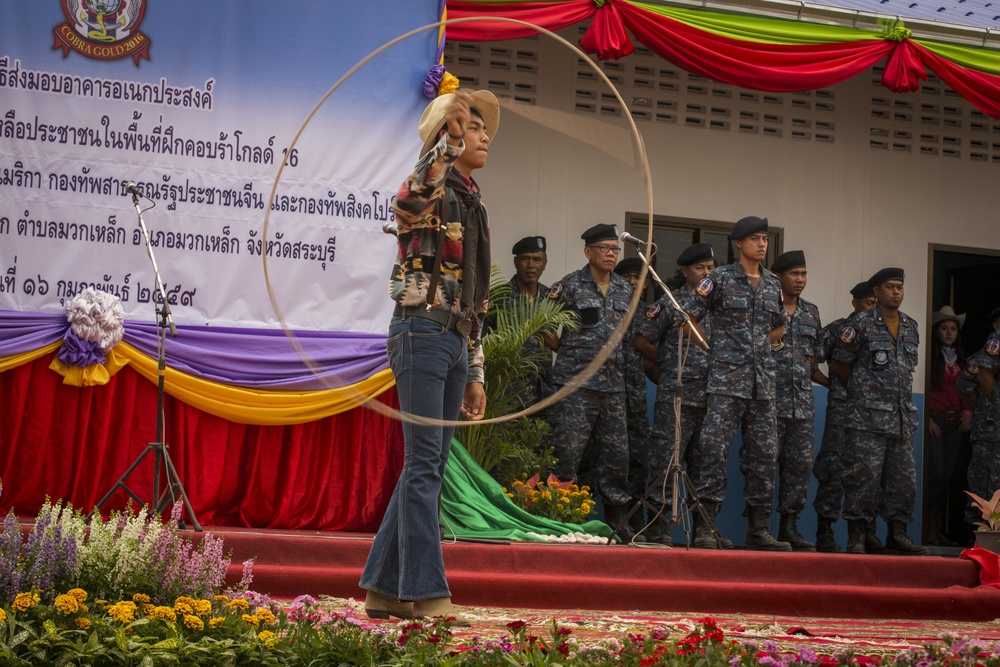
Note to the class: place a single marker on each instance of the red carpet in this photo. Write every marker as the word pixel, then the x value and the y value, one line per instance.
pixel 621 578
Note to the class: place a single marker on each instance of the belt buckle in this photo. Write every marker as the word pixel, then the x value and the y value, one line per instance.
pixel 464 326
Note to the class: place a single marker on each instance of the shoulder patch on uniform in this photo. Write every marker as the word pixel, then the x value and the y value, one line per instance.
pixel 993 347
pixel 881 357
pixel 556 291
pixel 705 287
pixel 847 334
pixel 973 366
pixel 653 311
pixel 778 345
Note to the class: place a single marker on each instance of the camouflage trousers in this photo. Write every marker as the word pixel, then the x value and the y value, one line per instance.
pixel 602 414
pixel 795 462
pixel 829 464
pixel 637 421
pixel 879 471
pixel 758 455
pixel 983 474
pixel 661 443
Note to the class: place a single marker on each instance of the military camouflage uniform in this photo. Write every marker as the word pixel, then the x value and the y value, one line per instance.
pixel 881 417
pixel 541 386
pixel 658 326
pixel 637 415
pixel 803 339
pixel 829 464
pixel 741 388
pixel 598 406
pixel 984 466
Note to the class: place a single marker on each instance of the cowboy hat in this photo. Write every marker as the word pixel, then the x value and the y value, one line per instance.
pixel 432 120
pixel 947 313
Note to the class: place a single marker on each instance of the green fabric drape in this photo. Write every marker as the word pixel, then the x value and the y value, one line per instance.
pixel 474 505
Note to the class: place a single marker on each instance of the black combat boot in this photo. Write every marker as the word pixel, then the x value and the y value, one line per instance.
pixel 758 536
pixel 659 532
pixel 637 523
pixel 825 541
pixel 789 532
pixel 898 542
pixel 873 545
pixel 704 530
pixel 856 536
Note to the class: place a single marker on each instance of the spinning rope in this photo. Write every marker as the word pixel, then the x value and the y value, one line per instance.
pixel 589 133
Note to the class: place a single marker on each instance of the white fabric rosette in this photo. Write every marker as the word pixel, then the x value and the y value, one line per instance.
pixel 97 317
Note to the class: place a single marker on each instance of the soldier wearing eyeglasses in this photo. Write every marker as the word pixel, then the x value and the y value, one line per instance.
pixel 600 298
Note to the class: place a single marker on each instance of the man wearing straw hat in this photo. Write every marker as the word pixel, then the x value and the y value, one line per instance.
pixel 440 284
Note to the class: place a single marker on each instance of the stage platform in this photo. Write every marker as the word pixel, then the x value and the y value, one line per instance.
pixel 629 578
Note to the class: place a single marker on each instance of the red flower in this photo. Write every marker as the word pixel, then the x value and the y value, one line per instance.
pixel 563 648
pixel 434 638
pixel 515 626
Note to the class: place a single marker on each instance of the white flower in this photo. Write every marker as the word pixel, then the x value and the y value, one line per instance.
pixel 97 317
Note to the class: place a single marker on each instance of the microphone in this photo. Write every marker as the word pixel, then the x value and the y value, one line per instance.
pixel 133 189
pixel 389 228
pixel 628 238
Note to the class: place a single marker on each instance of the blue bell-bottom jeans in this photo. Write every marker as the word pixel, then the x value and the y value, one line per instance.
pixel 430 364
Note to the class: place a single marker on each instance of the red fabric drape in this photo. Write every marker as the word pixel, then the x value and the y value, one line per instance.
pixel 606 36
pixel 758 66
pixel 982 89
pixel 549 15
pixel 73 444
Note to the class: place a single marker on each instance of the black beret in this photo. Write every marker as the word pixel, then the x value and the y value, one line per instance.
pixel 994 314
pixel 862 291
pixel 529 244
pixel 699 252
pixel 600 232
pixel 885 275
pixel 629 265
pixel 747 226
pixel 787 261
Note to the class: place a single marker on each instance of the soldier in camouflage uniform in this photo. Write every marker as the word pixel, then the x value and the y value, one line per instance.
pixel 600 298
pixel 744 299
pixel 636 417
pixel 979 381
pixel 874 358
pixel 797 356
pixel 828 467
pixel 655 340
pixel 530 260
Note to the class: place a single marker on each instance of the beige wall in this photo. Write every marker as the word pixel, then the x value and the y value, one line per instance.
pixel 852 208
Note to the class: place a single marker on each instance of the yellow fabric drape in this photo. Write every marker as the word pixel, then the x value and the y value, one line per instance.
pixel 237 404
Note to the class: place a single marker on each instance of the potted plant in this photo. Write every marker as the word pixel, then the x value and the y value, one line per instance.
pixel 988 534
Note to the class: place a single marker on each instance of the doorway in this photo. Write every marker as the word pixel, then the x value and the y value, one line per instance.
pixel 963 278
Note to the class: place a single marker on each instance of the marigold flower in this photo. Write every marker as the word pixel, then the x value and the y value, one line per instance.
pixel 84 608
pixel 265 634
pixel 221 598
pixel 148 608
pixel 3 616
pixel 78 593
pixel 100 603
pixel 25 601
pixel 216 621
pixel 202 607
pixel 250 620
pixel 122 612
pixel 265 616
pixel 140 598
pixel 546 496
pixel 163 613
pixel 194 622
pixel 67 604
pixel 83 623
pixel 183 608
pixel 239 603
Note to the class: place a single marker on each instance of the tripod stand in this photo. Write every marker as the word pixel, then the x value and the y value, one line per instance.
pixel 173 489
pixel 682 489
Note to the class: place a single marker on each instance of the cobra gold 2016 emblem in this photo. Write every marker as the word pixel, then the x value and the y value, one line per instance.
pixel 103 29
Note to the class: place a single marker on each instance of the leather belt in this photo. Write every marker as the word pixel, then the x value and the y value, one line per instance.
pixel 947 415
pixel 461 325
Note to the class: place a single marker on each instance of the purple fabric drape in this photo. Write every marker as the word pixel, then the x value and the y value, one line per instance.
pixel 255 358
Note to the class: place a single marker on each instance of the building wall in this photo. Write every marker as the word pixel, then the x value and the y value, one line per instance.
pixel 858 177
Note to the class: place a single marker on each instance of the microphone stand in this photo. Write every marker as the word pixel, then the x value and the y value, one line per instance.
pixel 173 489
pixel 674 471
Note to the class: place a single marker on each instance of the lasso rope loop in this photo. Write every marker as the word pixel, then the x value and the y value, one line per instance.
pixel 616 336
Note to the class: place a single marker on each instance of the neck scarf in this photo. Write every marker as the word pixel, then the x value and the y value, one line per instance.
pixel 475 243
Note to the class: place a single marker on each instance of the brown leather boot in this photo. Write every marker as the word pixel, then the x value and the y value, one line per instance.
pixel 380 607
